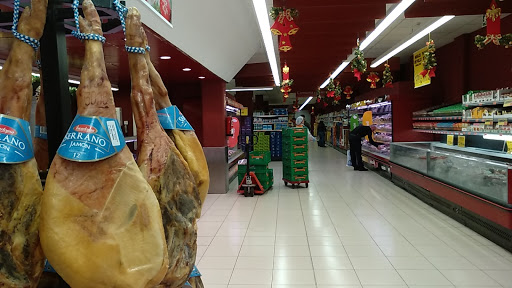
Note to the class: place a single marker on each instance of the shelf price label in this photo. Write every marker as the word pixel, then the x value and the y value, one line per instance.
pixel 502 122
pixel 449 140
pixel 488 122
pixel 461 141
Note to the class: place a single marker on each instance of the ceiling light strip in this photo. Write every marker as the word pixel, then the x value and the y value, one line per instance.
pixel 412 40
pixel 390 18
pixel 260 8
pixel 306 103
pixel 241 89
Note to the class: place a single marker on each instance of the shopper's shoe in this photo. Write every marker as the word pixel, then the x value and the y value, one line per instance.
pixel 362 169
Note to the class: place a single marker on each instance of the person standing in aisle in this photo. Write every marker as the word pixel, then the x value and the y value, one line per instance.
pixel 355 145
pixel 322 130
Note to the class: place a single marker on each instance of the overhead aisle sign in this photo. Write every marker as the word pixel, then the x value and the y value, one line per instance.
pixel 419 80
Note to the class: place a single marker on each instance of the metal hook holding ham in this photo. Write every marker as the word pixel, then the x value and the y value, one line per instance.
pixel 101 224
pixel 163 166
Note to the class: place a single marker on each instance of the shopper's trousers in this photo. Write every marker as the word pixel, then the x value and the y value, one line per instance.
pixel 321 139
pixel 355 152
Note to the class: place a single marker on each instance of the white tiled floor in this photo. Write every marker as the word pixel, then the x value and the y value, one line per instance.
pixel 348 229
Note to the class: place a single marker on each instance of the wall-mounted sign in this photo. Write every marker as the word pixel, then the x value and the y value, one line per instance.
pixel 164 7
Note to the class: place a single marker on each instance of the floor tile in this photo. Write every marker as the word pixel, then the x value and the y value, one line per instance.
pixel 215 276
pixel 336 277
pixel 437 250
pixel 222 240
pixel 222 251
pixel 423 277
pixel 249 286
pixel 259 241
pixel 327 251
pixel 324 240
pixel 501 276
pixel 411 263
pixel 404 250
pixel 254 262
pixel 379 277
pixel 491 263
pixel 363 251
pixel 217 263
pixel 251 276
pixel 289 240
pixel 290 251
pixel 332 263
pixel 452 263
pixel 469 277
pixel 255 251
pixel 294 277
pixel 204 241
pixel 293 263
pixel 372 263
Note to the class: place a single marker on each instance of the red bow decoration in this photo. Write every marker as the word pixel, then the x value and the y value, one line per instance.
pixel 325 104
pixel 388 85
pixel 348 91
pixel 330 94
pixel 373 78
pixel 318 99
pixel 431 73
pixel 357 74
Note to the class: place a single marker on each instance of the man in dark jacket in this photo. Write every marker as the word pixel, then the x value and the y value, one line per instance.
pixel 355 145
pixel 321 129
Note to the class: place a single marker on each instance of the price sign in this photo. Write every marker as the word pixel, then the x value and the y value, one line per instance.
pixel 244 111
pixel 488 122
pixel 461 141
pixel 502 122
pixel 449 140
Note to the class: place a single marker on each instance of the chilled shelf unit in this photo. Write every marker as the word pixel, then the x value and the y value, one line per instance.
pixel 268 129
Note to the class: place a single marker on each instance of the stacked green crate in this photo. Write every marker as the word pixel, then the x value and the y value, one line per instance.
pixel 295 154
pixel 263 143
pixel 259 165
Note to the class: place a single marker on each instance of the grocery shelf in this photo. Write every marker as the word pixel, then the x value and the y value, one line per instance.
pixel 382 131
pixel 490 103
pixel 372 153
pixel 483 120
pixel 130 139
pixel 268 130
pixel 268 116
pixel 437 118
pixel 445 132
pixel 235 156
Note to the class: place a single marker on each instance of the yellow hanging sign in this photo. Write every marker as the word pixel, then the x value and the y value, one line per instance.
pixel 367 119
pixel 244 111
pixel 449 140
pixel 509 147
pixel 461 141
pixel 418 57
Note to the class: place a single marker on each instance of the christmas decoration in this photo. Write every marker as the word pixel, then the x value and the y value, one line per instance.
pixel 373 78
pixel 287 82
pixel 493 20
pixel 387 78
pixel 284 26
pixel 337 93
pixel 348 91
pixel 359 65
pixel 313 110
pixel 331 88
pixel 429 61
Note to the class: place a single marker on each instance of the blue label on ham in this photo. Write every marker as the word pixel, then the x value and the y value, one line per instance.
pixel 15 140
pixel 171 118
pixel 92 139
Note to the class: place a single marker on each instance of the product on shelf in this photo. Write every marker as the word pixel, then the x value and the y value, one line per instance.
pixel 171 179
pixel 21 257
pixel 452 110
pixel 101 224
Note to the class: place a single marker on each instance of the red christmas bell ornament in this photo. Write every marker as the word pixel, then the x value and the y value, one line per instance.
pixel 348 91
pixel 357 74
pixel 285 44
pixel 291 27
pixel 278 28
pixel 431 73
pixel 373 78
pixel 493 19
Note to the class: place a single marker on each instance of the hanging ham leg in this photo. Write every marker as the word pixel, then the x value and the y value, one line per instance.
pixel 186 141
pixel 41 145
pixel 21 257
pixel 163 166
pixel 101 224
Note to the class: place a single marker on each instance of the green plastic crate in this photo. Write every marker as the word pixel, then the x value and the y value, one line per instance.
pixel 303 131
pixel 254 168
pixel 299 148
pixel 294 156
pixel 295 170
pixel 296 178
pixel 295 162
pixel 295 140
pixel 261 158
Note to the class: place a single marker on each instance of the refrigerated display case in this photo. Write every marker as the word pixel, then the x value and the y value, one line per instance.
pixel 472 185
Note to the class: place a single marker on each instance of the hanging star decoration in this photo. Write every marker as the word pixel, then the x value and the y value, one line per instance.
pixel 429 60
pixel 359 64
pixel 493 21
pixel 373 78
pixel 348 92
pixel 284 26
pixel 387 78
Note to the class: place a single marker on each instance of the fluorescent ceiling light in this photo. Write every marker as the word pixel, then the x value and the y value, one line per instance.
pixel 498 137
pixel 240 89
pixel 187 69
pixel 390 18
pixel 260 7
pixel 306 103
pixel 165 57
pixel 413 40
pixel 201 77
pixel 74 82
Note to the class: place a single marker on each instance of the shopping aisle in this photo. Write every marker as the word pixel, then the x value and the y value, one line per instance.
pixel 348 229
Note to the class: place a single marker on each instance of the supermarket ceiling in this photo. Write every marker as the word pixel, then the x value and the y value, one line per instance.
pixel 329 29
